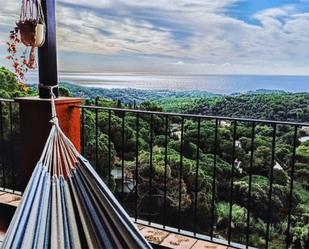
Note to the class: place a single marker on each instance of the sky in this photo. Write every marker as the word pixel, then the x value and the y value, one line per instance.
pixel 177 36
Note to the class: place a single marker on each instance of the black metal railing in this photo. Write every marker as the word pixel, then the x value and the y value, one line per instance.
pixel 9 140
pixel 222 179
pixel 232 181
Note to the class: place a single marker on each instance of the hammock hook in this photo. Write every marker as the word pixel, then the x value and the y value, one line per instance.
pixel 54 118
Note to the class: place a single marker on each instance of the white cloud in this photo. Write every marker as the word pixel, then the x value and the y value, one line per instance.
pixel 87 3
pixel 86 32
pixel 193 33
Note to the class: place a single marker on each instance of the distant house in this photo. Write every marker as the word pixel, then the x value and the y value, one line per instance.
pixel 305 129
pixel 175 130
pixel 278 166
pixel 304 139
pixel 238 166
pixel 129 182
pixel 238 144
pixel 225 123
pixel 174 127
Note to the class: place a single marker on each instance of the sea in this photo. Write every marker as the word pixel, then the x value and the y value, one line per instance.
pixel 220 84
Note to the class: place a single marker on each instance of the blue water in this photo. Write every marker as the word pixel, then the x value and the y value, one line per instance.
pixel 222 84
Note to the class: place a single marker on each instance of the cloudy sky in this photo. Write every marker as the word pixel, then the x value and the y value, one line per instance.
pixel 178 36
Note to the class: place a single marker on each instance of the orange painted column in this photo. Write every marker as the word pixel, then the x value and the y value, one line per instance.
pixel 35 114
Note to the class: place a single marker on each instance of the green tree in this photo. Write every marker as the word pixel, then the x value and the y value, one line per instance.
pixel 10 87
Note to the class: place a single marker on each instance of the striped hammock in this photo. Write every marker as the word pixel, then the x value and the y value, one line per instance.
pixel 67 205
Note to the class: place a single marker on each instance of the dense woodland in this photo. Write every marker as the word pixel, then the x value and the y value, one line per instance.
pixel 260 104
pixel 206 161
pixel 184 169
pixel 271 106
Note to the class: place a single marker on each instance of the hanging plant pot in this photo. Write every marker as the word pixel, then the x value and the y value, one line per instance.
pixel 32 34
pixel 30 31
pixel 27 31
pixel 31 24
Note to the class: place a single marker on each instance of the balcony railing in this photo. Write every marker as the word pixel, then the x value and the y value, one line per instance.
pixel 231 181
pixel 9 140
pixel 154 199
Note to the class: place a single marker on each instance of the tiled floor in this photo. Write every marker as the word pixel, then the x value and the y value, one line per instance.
pixel 8 202
pixel 155 236
pixel 9 199
pixel 175 241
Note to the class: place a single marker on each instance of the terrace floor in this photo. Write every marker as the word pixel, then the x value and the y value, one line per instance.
pixel 10 199
pixel 159 238
pixel 8 203
pixel 164 239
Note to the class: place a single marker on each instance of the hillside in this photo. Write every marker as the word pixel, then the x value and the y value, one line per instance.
pixel 273 106
pixel 259 104
pixel 131 95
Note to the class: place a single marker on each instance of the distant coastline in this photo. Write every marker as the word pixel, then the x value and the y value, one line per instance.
pixel 131 95
pixel 216 84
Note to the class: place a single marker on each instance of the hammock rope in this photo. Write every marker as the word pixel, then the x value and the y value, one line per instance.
pixel 67 205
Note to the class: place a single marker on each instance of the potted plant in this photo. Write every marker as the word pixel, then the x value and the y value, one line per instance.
pixel 32 33
pixel 29 31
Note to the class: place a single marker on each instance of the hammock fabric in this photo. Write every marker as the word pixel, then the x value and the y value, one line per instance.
pixel 67 205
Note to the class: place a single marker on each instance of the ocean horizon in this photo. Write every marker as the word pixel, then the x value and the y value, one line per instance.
pixel 219 84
